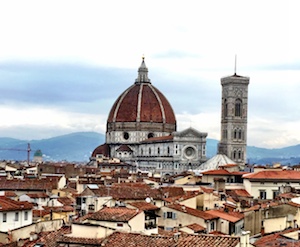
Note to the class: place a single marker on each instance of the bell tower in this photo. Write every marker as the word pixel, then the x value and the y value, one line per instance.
pixel 234 118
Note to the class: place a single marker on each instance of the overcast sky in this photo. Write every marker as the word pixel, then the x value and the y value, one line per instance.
pixel 64 63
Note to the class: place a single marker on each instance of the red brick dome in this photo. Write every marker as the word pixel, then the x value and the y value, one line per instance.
pixel 142 103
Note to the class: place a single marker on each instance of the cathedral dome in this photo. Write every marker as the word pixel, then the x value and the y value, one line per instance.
pixel 142 107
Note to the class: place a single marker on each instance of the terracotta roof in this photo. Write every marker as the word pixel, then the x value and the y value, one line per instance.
pixel 228 165
pixel 125 193
pixel 117 214
pixel 118 239
pixel 29 184
pixel 39 213
pixel 170 191
pixel 186 196
pixel 80 241
pixel 144 206
pixel 196 227
pixel 294 204
pixel 10 194
pixel 124 148
pixel 216 172
pixel 37 195
pixel 7 204
pixel 238 193
pixel 158 139
pixel 229 216
pixel 262 205
pixel 289 175
pixel 142 102
pixel 66 201
pixel 49 239
pixel 194 212
pixel 278 239
pixel 102 149
pixel 59 209
pixel 223 172
pixel 207 189
pixel 288 195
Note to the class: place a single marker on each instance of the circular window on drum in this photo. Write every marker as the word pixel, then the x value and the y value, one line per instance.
pixel 126 135
pixel 190 152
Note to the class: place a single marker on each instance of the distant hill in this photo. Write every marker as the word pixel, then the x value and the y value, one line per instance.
pixel 72 147
pixel 78 147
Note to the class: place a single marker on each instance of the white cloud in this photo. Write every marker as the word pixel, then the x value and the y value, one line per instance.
pixel 188 46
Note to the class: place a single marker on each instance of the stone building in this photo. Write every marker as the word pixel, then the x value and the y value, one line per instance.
pixel 141 130
pixel 234 118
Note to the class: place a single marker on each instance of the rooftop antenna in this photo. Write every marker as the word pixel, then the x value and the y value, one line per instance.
pixel 235 65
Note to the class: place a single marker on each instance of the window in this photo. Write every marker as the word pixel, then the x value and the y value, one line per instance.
pixel 150 135
pixel 168 150
pixel 238 108
pixel 234 154
pixel 263 194
pixel 17 216
pixel 158 150
pixel 119 224
pixel 126 135
pixel 4 217
pixel 212 226
pixel 240 134
pixel 240 155
pixel 225 108
pixel 26 215
pixel 275 193
pixel 170 215
pixel 149 151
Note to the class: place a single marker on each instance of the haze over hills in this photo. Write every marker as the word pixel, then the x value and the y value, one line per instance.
pixel 78 146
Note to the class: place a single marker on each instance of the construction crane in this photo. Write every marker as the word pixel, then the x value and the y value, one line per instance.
pixel 28 150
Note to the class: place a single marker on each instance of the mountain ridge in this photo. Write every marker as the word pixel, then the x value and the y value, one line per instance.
pixel 78 146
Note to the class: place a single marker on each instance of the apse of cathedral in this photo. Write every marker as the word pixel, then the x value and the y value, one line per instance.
pixel 141 130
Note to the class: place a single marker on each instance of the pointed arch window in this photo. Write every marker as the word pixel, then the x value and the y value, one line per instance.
pixel 239 155
pixel 235 134
pixel 234 154
pixel 225 108
pixel 238 108
pixel 240 134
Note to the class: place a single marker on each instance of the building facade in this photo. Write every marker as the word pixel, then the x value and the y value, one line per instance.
pixel 141 130
pixel 234 118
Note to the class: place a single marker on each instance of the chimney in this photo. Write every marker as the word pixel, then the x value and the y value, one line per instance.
pixel 245 239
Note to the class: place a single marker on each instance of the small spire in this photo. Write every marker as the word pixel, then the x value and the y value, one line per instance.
pixel 142 73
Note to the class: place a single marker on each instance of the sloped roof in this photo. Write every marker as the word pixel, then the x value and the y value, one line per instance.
pixel 117 214
pixel 194 212
pixel 124 193
pixel 278 239
pixel 196 227
pixel 214 163
pixel 124 148
pixel 7 204
pixel 144 206
pixel 29 184
pixel 229 216
pixel 289 175
pixel 118 239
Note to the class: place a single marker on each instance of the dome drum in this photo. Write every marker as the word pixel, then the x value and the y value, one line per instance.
pixel 141 126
